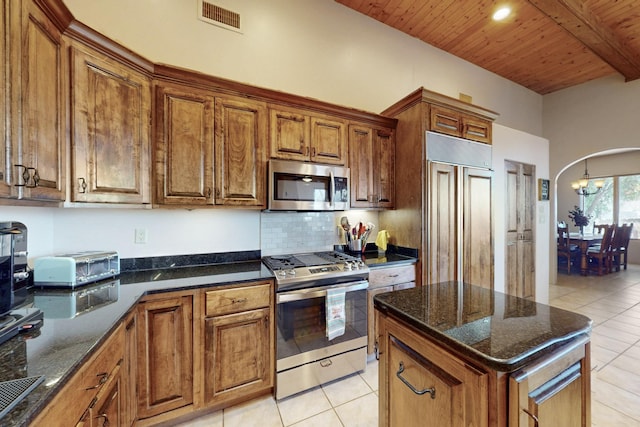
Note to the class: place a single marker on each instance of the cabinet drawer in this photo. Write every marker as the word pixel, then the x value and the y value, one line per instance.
pixel 476 129
pixel 446 121
pixel 391 276
pixel 233 300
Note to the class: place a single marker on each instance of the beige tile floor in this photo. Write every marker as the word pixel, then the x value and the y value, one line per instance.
pixel 612 301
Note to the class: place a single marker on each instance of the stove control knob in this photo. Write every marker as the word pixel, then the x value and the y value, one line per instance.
pixel 361 264
pixel 347 265
pixel 291 272
pixel 281 273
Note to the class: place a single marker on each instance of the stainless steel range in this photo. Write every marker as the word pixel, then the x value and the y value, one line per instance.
pixel 321 318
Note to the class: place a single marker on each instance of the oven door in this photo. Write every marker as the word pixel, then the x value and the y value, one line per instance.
pixel 301 324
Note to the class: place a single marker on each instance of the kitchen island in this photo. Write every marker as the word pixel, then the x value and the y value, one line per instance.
pixel 460 354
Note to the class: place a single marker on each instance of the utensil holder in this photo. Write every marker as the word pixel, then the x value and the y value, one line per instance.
pixel 355 245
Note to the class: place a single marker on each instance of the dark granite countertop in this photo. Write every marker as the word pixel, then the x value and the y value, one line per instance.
pixel 500 331
pixel 395 255
pixel 65 340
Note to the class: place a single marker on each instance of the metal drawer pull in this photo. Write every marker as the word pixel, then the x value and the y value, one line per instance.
pixel 535 419
pixel 103 379
pixel 431 391
pixel 326 363
pixel 238 300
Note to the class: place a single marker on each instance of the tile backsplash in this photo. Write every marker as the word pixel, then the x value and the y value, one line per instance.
pixel 297 232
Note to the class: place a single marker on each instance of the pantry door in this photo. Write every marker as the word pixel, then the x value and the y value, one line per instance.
pixel 520 251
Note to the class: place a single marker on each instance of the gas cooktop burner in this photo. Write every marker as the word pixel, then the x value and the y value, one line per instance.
pixel 315 269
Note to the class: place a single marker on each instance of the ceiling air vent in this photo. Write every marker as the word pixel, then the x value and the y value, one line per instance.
pixel 219 16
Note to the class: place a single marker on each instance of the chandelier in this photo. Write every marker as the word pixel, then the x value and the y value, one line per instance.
pixel 581 185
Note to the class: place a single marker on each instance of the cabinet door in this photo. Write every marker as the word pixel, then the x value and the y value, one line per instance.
pixel 5 146
pixel 38 105
pixel 289 135
pixel 372 163
pixel 477 261
pixel 107 409
pixel 555 391
pixel 420 380
pixel 240 138
pixel 184 146
pixel 165 361
pixel 238 354
pixel 361 156
pixel 442 232
pixel 111 127
pixel 129 372
pixel 328 141
pixel 384 167
pixel 372 321
pixel 445 120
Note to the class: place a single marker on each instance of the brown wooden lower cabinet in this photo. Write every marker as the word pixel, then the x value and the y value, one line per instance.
pixel 165 348
pixel 143 374
pixel 383 280
pixel 424 383
pixel 238 343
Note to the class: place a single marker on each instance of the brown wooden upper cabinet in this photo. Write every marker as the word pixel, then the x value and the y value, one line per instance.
pixel 240 162
pixel 371 161
pixel 184 142
pixel 34 82
pixel 460 124
pixel 299 135
pixel 209 148
pixel 110 129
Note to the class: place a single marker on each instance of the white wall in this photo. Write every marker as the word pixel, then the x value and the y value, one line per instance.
pixel 314 48
pixel 592 119
pixel 55 231
pixel 509 144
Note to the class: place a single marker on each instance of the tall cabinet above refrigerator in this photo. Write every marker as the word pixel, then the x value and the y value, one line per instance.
pixel 443 187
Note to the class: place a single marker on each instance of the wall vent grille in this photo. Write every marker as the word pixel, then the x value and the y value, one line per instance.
pixel 216 15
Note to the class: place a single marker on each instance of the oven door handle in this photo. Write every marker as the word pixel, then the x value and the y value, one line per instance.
pixel 319 292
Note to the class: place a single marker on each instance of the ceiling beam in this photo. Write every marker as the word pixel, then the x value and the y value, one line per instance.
pixel 576 18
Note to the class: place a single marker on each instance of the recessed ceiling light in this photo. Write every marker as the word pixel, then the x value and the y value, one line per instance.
pixel 501 13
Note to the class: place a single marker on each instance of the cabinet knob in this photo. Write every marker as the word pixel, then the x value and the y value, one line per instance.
pixel 83 185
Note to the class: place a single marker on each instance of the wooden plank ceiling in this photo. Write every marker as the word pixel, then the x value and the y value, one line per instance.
pixel 545 45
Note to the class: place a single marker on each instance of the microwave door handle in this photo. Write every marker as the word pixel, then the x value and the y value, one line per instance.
pixel 332 189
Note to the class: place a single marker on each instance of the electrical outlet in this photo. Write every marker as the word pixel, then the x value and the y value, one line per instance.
pixel 140 236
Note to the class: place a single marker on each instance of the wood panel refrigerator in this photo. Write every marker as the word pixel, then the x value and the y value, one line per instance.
pixel 443 204
pixel 458 220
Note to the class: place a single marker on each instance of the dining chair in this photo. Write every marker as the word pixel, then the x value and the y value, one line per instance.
pixel 568 251
pixel 624 248
pixel 598 229
pixel 617 243
pixel 599 257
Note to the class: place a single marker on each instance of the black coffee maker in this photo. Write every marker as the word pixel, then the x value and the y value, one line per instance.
pixel 14 273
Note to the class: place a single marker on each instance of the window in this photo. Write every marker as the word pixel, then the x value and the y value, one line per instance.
pixel 617 202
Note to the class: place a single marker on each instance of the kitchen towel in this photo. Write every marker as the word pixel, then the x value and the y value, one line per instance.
pixel 382 239
pixel 335 313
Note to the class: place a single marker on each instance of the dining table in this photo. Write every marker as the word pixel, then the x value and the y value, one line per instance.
pixel 583 241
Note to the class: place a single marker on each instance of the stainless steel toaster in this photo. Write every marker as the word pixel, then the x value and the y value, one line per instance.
pixel 76 269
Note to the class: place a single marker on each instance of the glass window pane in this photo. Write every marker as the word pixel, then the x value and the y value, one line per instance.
pixel 630 203
pixel 599 205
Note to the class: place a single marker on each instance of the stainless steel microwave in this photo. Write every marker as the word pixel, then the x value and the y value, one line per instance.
pixel 301 186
